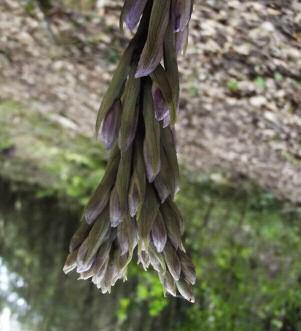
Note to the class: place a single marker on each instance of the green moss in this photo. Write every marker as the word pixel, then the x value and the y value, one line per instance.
pixel 232 85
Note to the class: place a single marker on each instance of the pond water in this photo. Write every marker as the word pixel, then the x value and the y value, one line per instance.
pixel 246 247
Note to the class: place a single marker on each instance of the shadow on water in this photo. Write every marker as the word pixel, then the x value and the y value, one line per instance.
pixel 246 248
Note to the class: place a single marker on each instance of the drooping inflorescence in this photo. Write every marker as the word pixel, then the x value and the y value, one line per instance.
pixel 133 207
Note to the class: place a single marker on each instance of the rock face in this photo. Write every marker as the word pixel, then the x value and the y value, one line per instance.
pixel 241 93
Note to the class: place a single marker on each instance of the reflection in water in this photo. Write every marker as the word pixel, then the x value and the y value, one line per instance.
pixel 8 281
pixel 246 251
pixel 36 233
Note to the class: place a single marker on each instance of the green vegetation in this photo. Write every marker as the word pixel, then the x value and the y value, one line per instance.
pixel 42 153
pixel 260 82
pixel 232 85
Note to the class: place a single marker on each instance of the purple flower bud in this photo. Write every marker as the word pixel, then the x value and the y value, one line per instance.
pixel 159 234
pixel 152 52
pixel 172 261
pixel 115 210
pixel 132 11
pixel 109 277
pixel 98 277
pixel 132 233
pixel 143 258
pixel 152 164
pixel 181 41
pixel 87 274
pixel 111 125
pixel 70 263
pixel 166 120
pixel 121 262
pixel 188 268
pixel 162 187
pixel 169 284
pixel 122 237
pixel 79 236
pixel 160 105
pixel 182 14
pixel 134 199
pixel 185 290
pixel 172 225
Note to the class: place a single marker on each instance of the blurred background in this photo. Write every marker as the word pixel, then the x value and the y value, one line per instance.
pixel 239 143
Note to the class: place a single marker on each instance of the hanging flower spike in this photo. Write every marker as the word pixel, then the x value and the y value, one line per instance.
pixel 132 209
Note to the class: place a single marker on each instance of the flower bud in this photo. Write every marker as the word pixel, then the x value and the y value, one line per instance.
pixel 111 125
pixel 101 196
pixel 123 180
pixel 122 237
pixel 185 290
pixel 147 216
pixel 115 210
pixel 169 284
pixel 143 258
pixel 70 263
pixel 79 236
pixel 131 12
pixel 151 144
pixel 172 261
pixel 158 233
pixel 134 199
pixel 160 105
pixel 130 112
pixel 188 268
pixel 153 50
pixel 82 263
pixel 182 14
pixel 182 41
pixel 173 230
pixel 166 120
